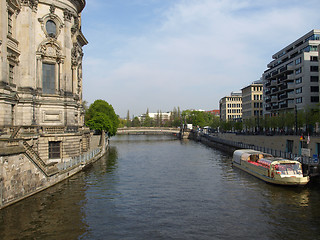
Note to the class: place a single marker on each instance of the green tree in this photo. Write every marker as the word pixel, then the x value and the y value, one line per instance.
pixel 136 122
pixel 198 118
pixel 148 121
pixel 101 116
pixel 122 123
pixel 215 123
pixel 99 122
pixel 128 119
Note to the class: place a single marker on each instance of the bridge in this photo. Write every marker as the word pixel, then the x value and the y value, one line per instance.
pixel 148 131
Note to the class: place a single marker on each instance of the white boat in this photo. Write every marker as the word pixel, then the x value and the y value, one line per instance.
pixel 268 168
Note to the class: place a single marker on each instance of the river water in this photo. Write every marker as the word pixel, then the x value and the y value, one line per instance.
pixel 157 187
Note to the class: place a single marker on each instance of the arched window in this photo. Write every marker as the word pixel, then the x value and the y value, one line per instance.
pixel 51 28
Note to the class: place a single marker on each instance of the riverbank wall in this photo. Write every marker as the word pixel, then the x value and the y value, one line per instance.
pixel 23 173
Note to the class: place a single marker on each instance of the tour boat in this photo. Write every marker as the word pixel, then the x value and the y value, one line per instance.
pixel 268 168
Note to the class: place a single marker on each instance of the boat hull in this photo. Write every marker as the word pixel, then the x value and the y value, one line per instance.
pixel 258 172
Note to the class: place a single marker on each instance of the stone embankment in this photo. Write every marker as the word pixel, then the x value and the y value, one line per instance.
pixel 24 173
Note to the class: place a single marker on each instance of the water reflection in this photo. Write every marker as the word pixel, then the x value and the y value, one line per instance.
pixel 48 214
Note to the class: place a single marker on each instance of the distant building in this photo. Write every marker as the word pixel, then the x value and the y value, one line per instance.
pixel 214 112
pixel 252 100
pixel 163 116
pixel 292 77
pixel 231 107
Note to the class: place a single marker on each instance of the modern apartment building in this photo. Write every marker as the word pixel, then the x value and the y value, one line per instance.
pixel 292 77
pixel 252 100
pixel 231 107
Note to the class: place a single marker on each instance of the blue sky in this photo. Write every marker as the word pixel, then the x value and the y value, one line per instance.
pixel 161 54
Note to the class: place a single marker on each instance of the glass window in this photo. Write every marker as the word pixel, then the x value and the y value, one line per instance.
pixel 314 68
pixel 310 49
pixel 298 60
pixel 314 79
pixel 313 58
pixel 54 150
pixel 298 70
pixel 314 99
pixel 299 80
pixel 299 100
pixel 313 37
pixel 314 89
pixel 48 78
pixel 299 90
pixel 51 28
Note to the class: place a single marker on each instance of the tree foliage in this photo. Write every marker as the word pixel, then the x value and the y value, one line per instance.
pixel 199 118
pixel 101 116
pixel 136 122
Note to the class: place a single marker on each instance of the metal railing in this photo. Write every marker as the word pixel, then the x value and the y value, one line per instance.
pixel 81 159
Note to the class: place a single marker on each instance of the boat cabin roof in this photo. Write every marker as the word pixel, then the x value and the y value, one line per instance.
pixel 248 154
pixel 253 155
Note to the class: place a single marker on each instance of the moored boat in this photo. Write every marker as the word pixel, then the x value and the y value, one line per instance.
pixel 268 168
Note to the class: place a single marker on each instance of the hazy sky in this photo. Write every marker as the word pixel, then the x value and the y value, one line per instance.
pixel 161 54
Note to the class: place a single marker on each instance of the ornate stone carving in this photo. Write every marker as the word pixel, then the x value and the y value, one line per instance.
pixel 75 26
pixel 13 56
pixel 76 54
pixel 14 5
pixel 33 4
pixel 67 14
pixel 52 9
pixel 53 17
pixel 79 79
pixel 50 50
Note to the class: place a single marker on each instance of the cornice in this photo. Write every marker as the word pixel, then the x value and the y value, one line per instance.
pixel 80 4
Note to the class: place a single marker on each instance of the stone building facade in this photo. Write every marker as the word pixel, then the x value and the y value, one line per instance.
pixel 41 70
pixel 231 107
pixel 42 130
pixel 252 100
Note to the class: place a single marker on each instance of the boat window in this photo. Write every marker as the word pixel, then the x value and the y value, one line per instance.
pixel 288 168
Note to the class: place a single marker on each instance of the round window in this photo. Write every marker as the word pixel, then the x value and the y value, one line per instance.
pixel 51 28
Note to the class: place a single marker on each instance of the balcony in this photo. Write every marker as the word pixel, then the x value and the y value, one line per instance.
pixel 290 77
pixel 268 108
pixel 290 67
pixel 275 107
pixel 268 84
pixel 274 73
pixel 273 83
pixel 283 86
pixel 284 105
pixel 268 100
pixel 283 96
pixel 290 86
pixel 290 95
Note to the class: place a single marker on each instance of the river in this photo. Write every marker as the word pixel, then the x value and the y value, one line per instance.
pixel 157 187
